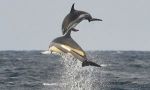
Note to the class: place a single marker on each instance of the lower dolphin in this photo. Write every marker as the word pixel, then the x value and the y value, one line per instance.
pixel 65 44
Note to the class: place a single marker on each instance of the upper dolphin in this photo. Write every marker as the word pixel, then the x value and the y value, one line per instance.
pixel 74 18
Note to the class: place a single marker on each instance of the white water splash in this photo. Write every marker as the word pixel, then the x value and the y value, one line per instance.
pixel 75 76
pixel 46 52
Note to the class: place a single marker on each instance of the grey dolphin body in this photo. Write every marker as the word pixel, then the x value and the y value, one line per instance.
pixel 66 44
pixel 74 18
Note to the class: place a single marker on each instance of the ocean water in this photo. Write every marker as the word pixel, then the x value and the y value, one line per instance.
pixel 30 70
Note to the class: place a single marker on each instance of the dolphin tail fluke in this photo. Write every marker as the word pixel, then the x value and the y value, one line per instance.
pixel 89 63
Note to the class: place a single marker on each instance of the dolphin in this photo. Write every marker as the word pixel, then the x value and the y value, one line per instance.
pixel 74 18
pixel 65 44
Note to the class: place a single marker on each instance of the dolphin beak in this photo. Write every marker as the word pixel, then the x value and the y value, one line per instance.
pixel 95 19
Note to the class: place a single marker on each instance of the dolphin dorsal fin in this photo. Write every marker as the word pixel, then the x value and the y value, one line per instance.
pixel 72 8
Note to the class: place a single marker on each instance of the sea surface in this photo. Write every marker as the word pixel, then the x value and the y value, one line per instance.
pixel 31 70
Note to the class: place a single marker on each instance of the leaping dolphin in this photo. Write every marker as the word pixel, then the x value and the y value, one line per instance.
pixel 74 18
pixel 65 44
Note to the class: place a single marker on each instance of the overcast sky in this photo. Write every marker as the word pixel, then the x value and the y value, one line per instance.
pixel 33 24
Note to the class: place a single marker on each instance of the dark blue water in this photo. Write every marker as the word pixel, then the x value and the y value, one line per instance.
pixel 30 70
